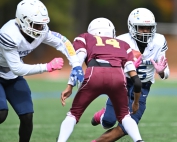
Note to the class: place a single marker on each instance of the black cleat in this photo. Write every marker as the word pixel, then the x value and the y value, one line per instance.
pixel 93 122
pixel 97 116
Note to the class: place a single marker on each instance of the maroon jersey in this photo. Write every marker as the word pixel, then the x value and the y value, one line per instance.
pixel 115 51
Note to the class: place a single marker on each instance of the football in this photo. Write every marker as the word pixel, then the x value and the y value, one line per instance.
pixel 136 54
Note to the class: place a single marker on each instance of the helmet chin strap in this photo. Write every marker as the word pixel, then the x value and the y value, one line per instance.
pixel 18 23
pixel 141 46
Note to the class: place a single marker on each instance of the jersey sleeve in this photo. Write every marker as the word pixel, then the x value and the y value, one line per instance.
pixel 62 44
pixel 6 42
pixel 79 42
pixel 164 48
pixel 18 67
pixel 129 65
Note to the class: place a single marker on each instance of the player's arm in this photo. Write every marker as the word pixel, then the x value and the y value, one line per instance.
pixel 130 69
pixel 19 68
pixel 62 44
pixel 161 65
pixel 166 72
pixel 68 91
pixel 162 61
pixel 81 54
pixel 137 90
pixel 11 55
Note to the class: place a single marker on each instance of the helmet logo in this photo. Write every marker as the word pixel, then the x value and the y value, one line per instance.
pixel 45 19
pixel 147 21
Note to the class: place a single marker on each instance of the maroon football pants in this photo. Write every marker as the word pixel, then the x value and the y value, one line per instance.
pixel 102 80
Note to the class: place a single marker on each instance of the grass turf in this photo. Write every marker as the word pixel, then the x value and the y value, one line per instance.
pixel 158 123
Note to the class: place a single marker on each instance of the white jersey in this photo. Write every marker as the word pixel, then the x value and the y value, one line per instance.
pixel 13 47
pixel 154 50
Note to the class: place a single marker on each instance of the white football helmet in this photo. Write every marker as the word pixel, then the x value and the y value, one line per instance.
pixel 101 27
pixel 30 12
pixel 141 17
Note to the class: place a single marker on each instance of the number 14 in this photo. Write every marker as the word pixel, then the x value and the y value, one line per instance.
pixel 112 42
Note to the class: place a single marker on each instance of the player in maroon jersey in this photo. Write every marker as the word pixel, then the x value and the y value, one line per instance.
pixel 107 59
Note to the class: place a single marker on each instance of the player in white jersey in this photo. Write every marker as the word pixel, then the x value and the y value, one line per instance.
pixel 18 37
pixel 151 47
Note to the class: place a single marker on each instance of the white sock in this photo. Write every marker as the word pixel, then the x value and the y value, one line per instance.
pixel 131 127
pixel 101 120
pixel 66 128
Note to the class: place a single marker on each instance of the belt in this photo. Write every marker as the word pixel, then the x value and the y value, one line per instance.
pixel 4 69
pixel 94 63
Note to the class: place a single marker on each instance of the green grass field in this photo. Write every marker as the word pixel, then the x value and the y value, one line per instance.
pixel 159 123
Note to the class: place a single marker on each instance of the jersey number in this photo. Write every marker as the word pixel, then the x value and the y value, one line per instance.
pixel 112 42
pixel 141 73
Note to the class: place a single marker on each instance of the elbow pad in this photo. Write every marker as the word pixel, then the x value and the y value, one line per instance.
pixel 137 84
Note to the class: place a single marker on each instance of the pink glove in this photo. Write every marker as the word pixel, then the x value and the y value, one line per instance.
pixel 138 61
pixel 55 64
pixel 161 65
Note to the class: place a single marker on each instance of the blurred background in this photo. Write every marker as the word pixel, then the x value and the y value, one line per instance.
pixel 71 17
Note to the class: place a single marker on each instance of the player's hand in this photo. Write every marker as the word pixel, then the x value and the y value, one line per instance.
pixel 138 61
pixel 66 93
pixel 135 107
pixel 77 76
pixel 161 65
pixel 55 64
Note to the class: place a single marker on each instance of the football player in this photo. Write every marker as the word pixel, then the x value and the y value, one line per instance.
pixel 19 37
pixel 145 42
pixel 105 58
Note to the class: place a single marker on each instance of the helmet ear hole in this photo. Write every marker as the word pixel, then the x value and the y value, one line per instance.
pixel 29 21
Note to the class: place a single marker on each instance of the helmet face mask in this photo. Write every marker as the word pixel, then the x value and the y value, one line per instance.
pixel 31 14
pixel 101 27
pixel 32 29
pixel 142 17
pixel 144 37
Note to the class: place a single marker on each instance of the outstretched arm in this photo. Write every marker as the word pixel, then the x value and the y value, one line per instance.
pixel 21 69
pixel 62 44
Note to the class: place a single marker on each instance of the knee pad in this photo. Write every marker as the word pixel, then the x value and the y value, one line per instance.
pixel 3 115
